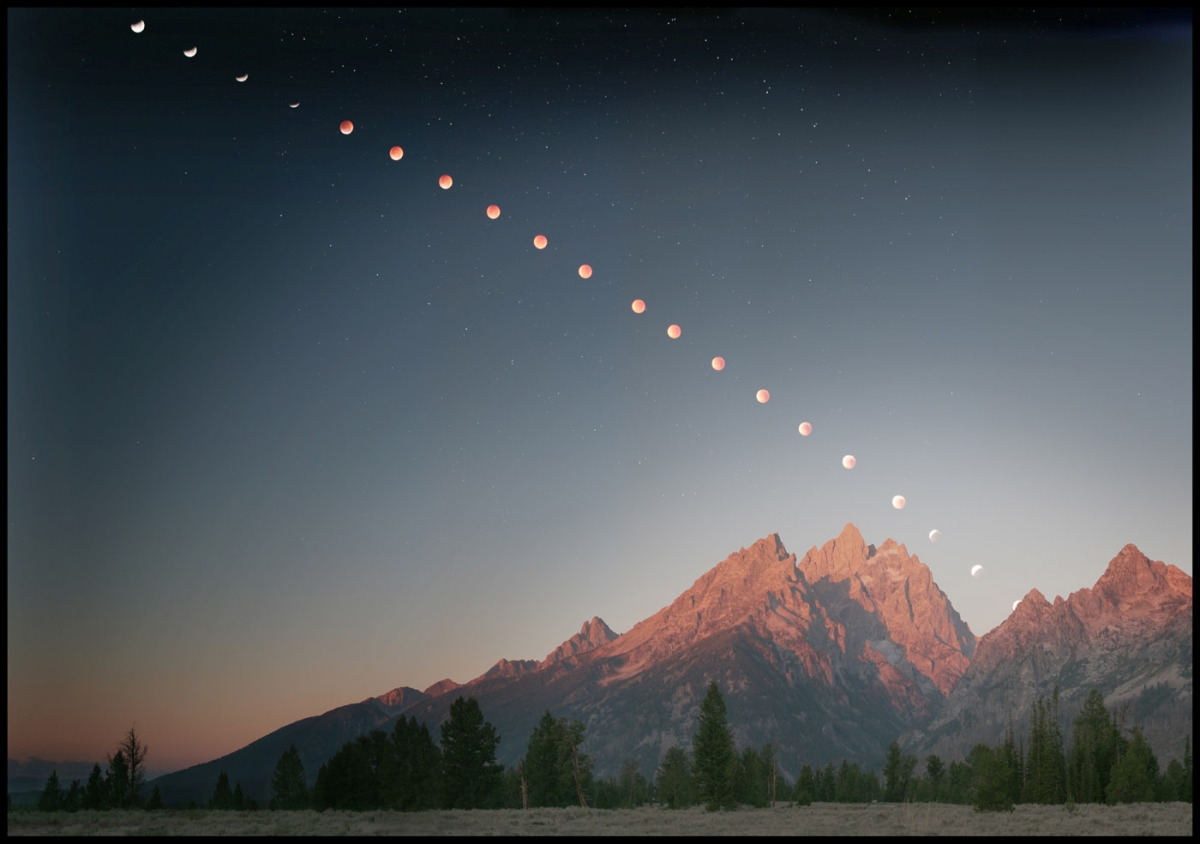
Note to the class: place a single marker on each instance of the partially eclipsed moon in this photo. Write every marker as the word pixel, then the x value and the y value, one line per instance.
pixel 848 461
pixel 293 105
pixel 493 211
pixel 1015 603
pixel 347 127
pixel 395 153
pixel 242 78
pixel 763 396
pixel 674 331
pixel 718 363
pixel 138 27
pixel 976 569
pixel 585 270
pixel 445 182
pixel 898 502
pixel 805 429
pixel 935 535
pixel 639 307
pixel 539 242
pixel 190 52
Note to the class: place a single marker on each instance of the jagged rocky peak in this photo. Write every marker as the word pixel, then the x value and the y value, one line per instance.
pixel 441 687
pixel 511 668
pixel 400 696
pixel 1133 579
pixel 592 635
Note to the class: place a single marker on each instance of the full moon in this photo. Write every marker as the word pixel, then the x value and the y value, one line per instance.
pixel 395 153
pixel 639 307
pixel 718 363
pixel 976 569
pixel 674 331
pixel 242 78
pixel 898 502
pixel 190 52
pixel 138 27
pixel 805 429
pixel 444 182
pixel 848 461
pixel 493 211
pixel 585 270
pixel 935 535
pixel 539 242
pixel 346 128
pixel 763 396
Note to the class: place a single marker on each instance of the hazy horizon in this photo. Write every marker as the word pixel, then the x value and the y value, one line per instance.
pixel 289 425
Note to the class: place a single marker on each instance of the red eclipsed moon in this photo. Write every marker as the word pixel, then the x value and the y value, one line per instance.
pixel 805 429
pixel 639 307
pixel 718 363
pixel 763 396
pixel 585 270
pixel 347 127
pixel 674 331
pixel 539 242
pixel 898 502
pixel 493 211
pixel 445 182
pixel 848 461
pixel 395 153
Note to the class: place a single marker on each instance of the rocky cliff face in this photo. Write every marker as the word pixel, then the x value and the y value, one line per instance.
pixel 1129 635
pixel 592 635
pixel 898 591
pixel 828 657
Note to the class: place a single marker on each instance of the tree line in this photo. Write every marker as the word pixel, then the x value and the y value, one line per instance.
pixel 407 770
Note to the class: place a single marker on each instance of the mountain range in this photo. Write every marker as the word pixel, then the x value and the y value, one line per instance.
pixel 830 656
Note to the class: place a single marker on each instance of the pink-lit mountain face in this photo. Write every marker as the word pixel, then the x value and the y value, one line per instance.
pixel 1129 635
pixel 827 657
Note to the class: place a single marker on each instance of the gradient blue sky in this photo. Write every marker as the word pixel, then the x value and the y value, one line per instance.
pixel 290 426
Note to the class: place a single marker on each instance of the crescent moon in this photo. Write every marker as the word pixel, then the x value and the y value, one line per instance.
pixel 1016 602
pixel 243 77
pixel 976 569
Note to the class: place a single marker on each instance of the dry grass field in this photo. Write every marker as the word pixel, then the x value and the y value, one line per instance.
pixel 818 819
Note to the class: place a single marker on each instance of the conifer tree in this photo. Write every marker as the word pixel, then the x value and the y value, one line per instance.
pixel 1134 776
pixel 992 790
pixel 222 797
pixel 471 776
pixel 134 751
pixel 289 789
pixel 674 780
pixel 713 756
pixel 117 784
pixel 95 793
pixel 52 795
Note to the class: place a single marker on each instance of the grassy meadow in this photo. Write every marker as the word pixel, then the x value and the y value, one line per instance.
pixel 817 819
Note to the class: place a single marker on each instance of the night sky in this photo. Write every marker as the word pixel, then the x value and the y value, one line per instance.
pixel 289 425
